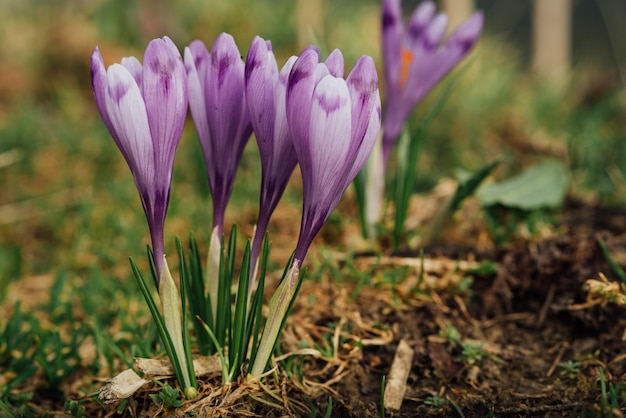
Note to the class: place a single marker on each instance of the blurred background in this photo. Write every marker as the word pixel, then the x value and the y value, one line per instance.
pixel 545 81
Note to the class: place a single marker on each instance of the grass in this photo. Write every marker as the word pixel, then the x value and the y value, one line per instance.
pixel 70 216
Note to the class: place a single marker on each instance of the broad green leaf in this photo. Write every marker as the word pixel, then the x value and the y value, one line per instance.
pixel 540 186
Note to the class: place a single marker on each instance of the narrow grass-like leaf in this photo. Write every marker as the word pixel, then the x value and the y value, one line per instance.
pixel 407 161
pixel 153 272
pixel 220 354
pixel 382 398
pixel 443 217
pixel 184 292
pixel 603 399
pixel 612 263
pixel 6 409
pixel 238 329
pixel 360 182
pixel 199 303
pixel 329 408
pixel 222 320
pixel 402 190
pixel 160 323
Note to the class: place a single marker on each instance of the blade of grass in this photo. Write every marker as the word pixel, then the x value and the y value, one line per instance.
pixel 612 263
pixel 237 345
pixel 409 153
pixel 200 304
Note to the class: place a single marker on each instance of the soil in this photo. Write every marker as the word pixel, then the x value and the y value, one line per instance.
pixel 526 329
pixel 534 312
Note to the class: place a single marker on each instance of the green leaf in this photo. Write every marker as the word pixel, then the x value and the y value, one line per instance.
pixel 612 263
pixel 540 186
pixel 467 187
pixel 443 217
pixel 408 154
pixel 237 343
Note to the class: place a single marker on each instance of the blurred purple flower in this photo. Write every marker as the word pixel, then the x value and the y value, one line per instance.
pixel 218 107
pixel 416 60
pixel 144 109
pixel 265 95
pixel 334 124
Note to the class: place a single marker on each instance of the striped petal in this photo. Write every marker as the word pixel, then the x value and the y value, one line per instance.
pixel 363 85
pixel 165 95
pixel 392 32
pixel 99 87
pixel 133 66
pixel 300 87
pixel 334 63
pixel 127 112
pixel 419 22
pixel 196 63
pixel 261 75
pixel 330 133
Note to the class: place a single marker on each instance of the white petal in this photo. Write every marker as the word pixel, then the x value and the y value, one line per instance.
pixel 126 108
pixel 330 132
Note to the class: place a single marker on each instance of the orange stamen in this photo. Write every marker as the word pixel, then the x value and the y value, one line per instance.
pixel 406 59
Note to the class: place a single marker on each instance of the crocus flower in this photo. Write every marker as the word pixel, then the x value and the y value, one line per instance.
pixel 144 109
pixel 220 114
pixel 333 124
pixel 416 60
pixel 265 95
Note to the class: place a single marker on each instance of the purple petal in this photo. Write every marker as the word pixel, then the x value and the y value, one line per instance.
pixel 369 139
pixel 281 128
pixel 435 31
pixel 466 35
pixel 299 93
pixel 261 75
pixel 363 85
pixel 99 87
pixel 329 145
pixel 226 105
pixel 196 63
pixel 430 66
pixel 225 126
pixel 313 48
pixel 165 95
pixel 420 20
pixel 133 66
pixel 392 32
pixel 127 112
pixel 284 152
pixel 334 62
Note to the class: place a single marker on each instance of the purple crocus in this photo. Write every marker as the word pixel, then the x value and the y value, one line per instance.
pixel 416 60
pixel 220 114
pixel 334 124
pixel 265 95
pixel 144 109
